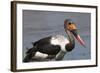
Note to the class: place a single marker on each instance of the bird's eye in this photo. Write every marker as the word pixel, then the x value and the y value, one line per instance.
pixel 69 23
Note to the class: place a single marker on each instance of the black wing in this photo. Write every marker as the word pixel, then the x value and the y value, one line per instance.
pixel 42 41
pixel 44 46
pixel 49 49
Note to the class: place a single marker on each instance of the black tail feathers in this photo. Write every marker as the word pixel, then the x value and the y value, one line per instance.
pixel 29 54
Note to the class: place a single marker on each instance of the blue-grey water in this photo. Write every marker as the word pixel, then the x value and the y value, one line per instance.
pixel 40 24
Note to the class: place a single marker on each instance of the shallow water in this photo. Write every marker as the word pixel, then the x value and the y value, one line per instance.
pixel 40 24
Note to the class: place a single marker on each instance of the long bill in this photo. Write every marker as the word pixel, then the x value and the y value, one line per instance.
pixel 75 33
pixel 80 40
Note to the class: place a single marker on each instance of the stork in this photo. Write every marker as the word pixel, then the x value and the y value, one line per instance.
pixel 54 47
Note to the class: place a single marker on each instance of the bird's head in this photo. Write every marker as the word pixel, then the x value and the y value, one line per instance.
pixel 71 27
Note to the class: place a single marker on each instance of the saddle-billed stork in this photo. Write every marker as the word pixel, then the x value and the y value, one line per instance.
pixel 54 47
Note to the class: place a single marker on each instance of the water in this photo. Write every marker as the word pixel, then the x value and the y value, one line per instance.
pixel 40 24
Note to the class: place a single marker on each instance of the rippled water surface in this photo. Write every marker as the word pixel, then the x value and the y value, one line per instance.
pixel 40 24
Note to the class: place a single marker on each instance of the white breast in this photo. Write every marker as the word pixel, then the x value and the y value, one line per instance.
pixel 60 40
